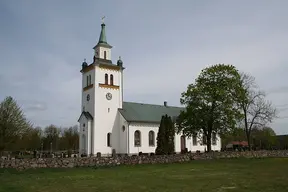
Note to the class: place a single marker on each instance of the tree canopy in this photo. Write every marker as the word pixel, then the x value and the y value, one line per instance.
pixel 13 123
pixel 210 107
pixel 165 136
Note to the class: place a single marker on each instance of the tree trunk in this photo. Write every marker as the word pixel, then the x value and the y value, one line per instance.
pixel 248 139
pixel 208 142
pixel 247 131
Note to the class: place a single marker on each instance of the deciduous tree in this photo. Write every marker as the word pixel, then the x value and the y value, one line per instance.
pixel 51 137
pixel 210 107
pixel 255 109
pixel 70 138
pixel 13 123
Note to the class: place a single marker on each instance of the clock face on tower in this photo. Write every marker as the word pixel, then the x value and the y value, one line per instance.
pixel 108 96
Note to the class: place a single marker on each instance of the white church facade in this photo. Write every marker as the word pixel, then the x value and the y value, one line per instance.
pixel 108 123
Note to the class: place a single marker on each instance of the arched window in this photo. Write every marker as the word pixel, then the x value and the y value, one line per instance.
pixel 137 138
pixel 194 139
pixel 214 139
pixel 109 139
pixel 151 138
pixel 87 80
pixel 111 79
pixel 106 79
pixel 105 54
pixel 90 81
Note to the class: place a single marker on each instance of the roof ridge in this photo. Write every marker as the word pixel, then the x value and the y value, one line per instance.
pixel 152 104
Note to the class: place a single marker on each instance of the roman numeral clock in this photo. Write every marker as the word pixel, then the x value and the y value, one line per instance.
pixel 109 96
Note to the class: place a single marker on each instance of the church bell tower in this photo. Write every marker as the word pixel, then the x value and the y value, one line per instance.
pixel 102 96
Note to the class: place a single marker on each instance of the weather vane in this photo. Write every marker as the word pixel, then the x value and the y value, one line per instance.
pixel 102 18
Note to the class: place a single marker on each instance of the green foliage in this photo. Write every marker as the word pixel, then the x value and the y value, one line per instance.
pixel 70 138
pixel 165 136
pixel 51 137
pixel 238 134
pixel 17 133
pixel 161 147
pixel 170 134
pixel 262 137
pixel 210 107
pixel 13 124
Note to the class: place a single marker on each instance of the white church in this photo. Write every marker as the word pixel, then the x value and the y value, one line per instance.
pixel 108 123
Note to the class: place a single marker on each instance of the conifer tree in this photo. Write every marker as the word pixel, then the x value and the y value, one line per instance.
pixel 170 135
pixel 165 136
pixel 160 149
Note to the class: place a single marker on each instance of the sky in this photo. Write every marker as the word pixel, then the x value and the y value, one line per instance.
pixel 163 44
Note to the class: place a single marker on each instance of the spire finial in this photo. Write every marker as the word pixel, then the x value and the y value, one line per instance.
pixel 84 59
pixel 119 57
pixel 102 18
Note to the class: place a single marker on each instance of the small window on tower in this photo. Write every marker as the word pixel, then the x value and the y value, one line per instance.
pixel 105 54
pixel 111 79
pixel 106 79
pixel 90 82
pixel 87 81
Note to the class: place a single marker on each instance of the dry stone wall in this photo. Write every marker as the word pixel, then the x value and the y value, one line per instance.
pixel 21 164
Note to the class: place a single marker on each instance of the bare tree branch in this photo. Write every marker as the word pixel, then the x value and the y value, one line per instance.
pixel 256 110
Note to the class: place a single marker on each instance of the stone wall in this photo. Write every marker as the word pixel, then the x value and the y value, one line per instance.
pixel 21 164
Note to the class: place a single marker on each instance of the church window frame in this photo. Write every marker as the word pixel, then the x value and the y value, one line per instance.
pixel 214 138
pixel 87 81
pixel 151 138
pixel 194 139
pixel 109 139
pixel 137 138
pixel 106 79
pixel 111 79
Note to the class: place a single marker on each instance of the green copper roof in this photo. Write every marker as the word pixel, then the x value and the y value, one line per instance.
pixel 102 39
pixel 139 112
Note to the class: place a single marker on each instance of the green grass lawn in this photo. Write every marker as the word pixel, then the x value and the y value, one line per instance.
pixel 214 175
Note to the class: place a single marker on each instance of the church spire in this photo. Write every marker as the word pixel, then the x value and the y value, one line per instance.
pixel 102 39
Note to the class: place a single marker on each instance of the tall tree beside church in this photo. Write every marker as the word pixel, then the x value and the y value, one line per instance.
pixel 209 105
pixel 161 140
pixel 165 136
pixel 256 110
pixel 13 123
pixel 170 134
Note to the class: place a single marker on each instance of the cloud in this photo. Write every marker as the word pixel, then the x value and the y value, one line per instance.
pixel 35 107
pixel 282 89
